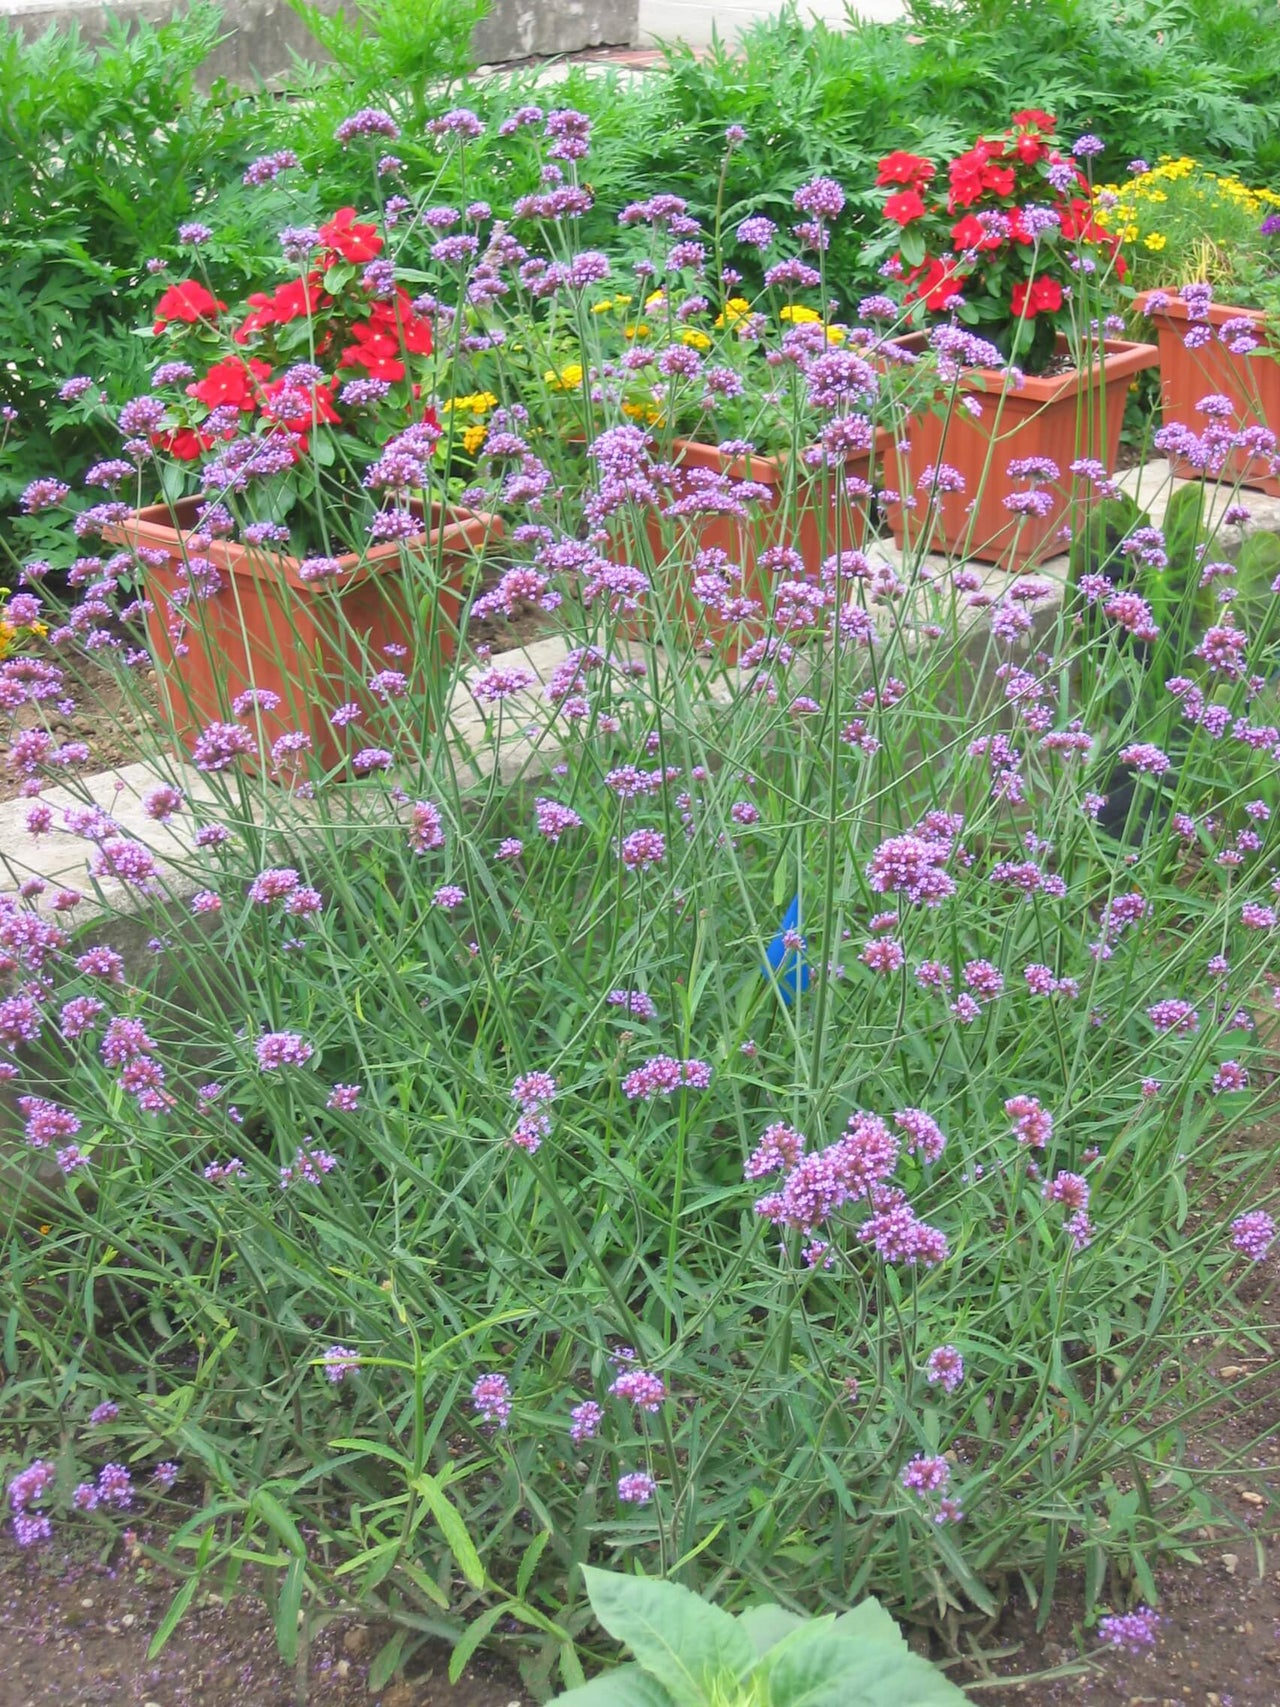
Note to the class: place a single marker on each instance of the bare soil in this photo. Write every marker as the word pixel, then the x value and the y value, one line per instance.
pixel 74 1628
pixel 74 1631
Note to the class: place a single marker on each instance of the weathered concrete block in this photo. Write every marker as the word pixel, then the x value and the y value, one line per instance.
pixel 525 29
pixel 264 35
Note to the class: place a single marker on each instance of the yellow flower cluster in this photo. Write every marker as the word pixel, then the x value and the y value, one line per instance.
pixel 737 308
pixel 11 636
pixel 799 315
pixel 566 378
pixel 1198 216
pixel 477 403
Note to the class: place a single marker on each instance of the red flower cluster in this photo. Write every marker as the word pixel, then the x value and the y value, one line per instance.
pixel 994 237
pixel 353 323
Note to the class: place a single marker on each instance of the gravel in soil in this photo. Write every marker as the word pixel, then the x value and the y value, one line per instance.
pixel 74 1632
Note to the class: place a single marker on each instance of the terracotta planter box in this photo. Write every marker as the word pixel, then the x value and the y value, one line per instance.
pixel 808 510
pixel 1062 416
pixel 1252 382
pixel 312 643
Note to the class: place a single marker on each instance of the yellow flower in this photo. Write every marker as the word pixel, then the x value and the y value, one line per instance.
pixel 1155 241
pixel 639 330
pixel 656 299
pixel 8 634
pixel 695 339
pixel 568 379
pixel 645 412
pixel 837 334
pixel 798 314
pixel 478 403
pixel 737 308
pixel 473 437
pixel 1130 234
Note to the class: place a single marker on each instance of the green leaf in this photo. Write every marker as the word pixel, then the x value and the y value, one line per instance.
pixel 169 1623
pixel 628 1686
pixel 768 1625
pixel 288 1605
pixel 452 1528
pixel 529 1563
pixel 278 1521
pixel 471 1639
pixel 911 246
pixel 387 1660
pixel 838 1669
pixel 679 1639
pixel 869 1622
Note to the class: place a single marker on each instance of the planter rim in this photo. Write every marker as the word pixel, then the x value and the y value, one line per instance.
pixel 1121 357
pixel 154 525
pixel 1174 308
pixel 769 470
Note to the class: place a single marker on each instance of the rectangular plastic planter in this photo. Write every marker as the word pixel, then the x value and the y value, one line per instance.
pixel 311 643
pixel 1252 382
pixel 809 510
pixel 1062 417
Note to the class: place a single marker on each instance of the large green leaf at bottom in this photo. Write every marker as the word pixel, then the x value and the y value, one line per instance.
pixel 680 1639
pixel 770 1624
pixel 626 1686
pixel 836 1670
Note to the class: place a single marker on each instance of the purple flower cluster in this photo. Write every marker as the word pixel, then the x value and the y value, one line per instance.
pixel 491 1400
pixel 663 1075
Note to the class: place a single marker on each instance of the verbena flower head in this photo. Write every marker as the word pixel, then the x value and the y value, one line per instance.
pixel 1135 1631
pixel 491 1399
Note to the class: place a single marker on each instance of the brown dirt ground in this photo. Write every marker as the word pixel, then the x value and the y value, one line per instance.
pixel 74 1629
pixel 74 1632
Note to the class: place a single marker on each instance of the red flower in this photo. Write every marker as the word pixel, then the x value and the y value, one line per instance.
pixel 901 168
pixel 904 207
pixel 966 175
pixel 1041 296
pixel 317 406
pixel 374 351
pixel 998 179
pixel 231 382
pixel 1036 116
pixel 1029 148
pixel 355 243
pixel 1077 222
pixel 188 302
pixel 399 318
pixel 970 233
pixel 935 284
pixel 287 302
pixel 184 443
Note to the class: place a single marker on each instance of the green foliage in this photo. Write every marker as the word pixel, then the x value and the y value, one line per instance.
pixel 385 47
pixel 104 151
pixel 1147 76
pixel 690 1654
